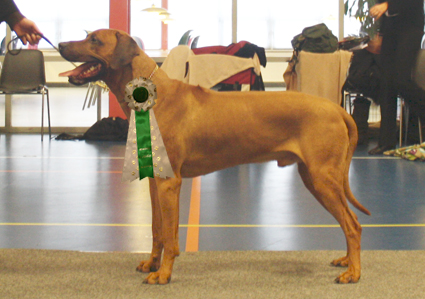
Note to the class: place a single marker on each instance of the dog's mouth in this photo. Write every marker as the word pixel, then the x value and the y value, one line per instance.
pixel 87 72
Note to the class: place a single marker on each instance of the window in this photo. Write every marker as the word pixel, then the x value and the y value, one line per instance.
pixel 65 20
pixel 272 24
pixel 146 26
pixel 351 26
pixel 269 23
pixel 210 20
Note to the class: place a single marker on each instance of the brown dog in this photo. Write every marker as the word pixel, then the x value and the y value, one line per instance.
pixel 205 131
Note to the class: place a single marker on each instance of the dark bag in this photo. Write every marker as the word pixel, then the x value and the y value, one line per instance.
pixel 106 129
pixel 317 39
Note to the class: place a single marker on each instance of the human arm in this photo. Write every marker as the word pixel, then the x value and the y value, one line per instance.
pixel 404 8
pixel 25 28
pixel 9 12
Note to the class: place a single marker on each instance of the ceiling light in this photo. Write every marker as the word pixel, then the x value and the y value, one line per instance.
pixel 155 9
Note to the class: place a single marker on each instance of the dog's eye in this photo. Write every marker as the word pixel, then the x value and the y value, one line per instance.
pixel 93 39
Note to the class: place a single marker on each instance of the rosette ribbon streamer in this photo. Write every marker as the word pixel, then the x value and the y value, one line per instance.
pixel 145 154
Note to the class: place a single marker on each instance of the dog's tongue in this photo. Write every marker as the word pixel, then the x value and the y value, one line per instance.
pixel 78 70
pixel 68 73
pixel 73 72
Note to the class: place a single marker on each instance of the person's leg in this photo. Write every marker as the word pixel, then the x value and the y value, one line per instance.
pixel 388 97
pixel 414 96
pixel 361 116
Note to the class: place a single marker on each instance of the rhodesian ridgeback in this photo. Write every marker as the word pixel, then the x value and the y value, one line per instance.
pixel 204 131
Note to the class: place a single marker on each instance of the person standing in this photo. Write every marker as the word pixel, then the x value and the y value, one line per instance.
pixel 26 29
pixel 402 29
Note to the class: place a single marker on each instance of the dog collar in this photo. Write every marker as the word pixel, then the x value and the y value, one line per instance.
pixel 153 72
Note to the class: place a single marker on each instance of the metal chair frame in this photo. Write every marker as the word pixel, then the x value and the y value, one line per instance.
pixel 23 72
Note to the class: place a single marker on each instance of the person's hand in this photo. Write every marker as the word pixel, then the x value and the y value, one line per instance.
pixel 378 10
pixel 28 31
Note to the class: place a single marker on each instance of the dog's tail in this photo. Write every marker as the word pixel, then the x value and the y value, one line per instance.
pixel 353 137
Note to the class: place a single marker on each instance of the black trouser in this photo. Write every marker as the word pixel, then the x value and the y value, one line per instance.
pixel 399 52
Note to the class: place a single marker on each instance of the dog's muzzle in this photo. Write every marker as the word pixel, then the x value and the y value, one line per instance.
pixel 91 70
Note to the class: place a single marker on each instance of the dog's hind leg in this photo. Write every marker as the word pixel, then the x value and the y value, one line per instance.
pixel 167 210
pixel 326 184
pixel 154 261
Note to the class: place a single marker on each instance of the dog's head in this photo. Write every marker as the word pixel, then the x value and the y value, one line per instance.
pixel 102 50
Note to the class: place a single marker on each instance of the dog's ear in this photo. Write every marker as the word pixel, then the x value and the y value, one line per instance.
pixel 125 50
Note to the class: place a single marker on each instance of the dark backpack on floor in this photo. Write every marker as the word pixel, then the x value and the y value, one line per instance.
pixel 106 129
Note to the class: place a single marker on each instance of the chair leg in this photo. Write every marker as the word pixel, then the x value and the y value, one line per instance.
pixel 348 106
pixel 45 91
pixel 400 130
pixel 42 114
pixel 48 114
pixel 406 122
pixel 404 118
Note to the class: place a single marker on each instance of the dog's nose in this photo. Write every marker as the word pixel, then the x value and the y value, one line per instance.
pixel 62 46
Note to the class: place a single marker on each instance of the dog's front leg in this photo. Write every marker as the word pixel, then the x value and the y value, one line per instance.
pixel 154 261
pixel 168 192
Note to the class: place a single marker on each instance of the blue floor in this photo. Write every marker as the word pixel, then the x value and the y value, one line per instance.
pixel 68 195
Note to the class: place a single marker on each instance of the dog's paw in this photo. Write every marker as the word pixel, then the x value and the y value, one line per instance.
pixel 147 266
pixel 348 277
pixel 158 278
pixel 341 262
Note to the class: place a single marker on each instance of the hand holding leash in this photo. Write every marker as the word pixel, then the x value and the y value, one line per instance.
pixel 30 38
pixel 28 31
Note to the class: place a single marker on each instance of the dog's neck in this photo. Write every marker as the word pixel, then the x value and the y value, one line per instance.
pixel 141 66
pixel 144 66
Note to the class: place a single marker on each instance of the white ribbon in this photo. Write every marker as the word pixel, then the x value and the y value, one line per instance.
pixel 161 163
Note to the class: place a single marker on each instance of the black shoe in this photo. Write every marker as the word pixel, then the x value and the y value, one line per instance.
pixel 379 150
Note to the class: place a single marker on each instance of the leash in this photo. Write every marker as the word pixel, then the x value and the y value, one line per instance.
pixel 91 90
pixel 16 52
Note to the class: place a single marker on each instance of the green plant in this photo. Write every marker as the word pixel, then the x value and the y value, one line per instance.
pixel 360 10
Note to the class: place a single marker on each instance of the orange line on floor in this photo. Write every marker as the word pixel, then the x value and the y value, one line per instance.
pixel 192 238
